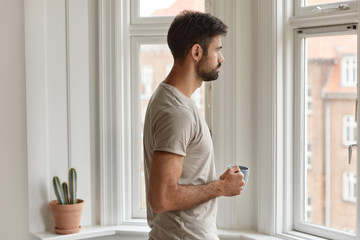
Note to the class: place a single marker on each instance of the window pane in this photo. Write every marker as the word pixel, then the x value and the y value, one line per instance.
pixel 330 128
pixel 169 7
pixel 156 62
pixel 319 2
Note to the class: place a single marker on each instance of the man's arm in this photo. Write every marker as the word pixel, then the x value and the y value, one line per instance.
pixel 165 194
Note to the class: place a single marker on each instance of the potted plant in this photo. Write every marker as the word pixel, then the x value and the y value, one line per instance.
pixel 67 209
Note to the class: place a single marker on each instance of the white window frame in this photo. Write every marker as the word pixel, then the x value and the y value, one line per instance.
pixel 276 74
pixel 300 126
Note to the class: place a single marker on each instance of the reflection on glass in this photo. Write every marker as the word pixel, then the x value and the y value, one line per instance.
pixel 156 62
pixel 330 182
pixel 319 2
pixel 156 8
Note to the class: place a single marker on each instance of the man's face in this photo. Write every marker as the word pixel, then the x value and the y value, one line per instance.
pixel 209 66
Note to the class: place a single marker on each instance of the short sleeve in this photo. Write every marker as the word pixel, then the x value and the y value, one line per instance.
pixel 173 130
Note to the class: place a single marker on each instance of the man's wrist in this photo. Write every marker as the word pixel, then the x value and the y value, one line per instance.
pixel 219 187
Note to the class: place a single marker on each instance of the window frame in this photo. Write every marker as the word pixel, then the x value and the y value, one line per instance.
pixel 276 56
pixel 300 133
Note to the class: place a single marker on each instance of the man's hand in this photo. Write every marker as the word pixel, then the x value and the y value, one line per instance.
pixel 233 181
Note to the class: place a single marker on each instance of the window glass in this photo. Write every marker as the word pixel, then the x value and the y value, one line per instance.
pixel 329 199
pixel 156 8
pixel 319 2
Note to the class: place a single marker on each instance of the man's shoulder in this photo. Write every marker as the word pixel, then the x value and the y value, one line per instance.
pixel 165 97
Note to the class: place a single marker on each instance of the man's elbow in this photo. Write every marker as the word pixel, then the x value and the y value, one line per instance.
pixel 158 204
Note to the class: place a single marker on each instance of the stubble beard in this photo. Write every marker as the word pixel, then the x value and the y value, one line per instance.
pixel 205 74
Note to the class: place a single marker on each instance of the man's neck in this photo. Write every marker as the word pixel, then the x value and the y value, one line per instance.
pixel 184 78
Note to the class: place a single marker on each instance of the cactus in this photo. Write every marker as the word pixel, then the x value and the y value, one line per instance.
pixel 58 190
pixel 72 185
pixel 66 193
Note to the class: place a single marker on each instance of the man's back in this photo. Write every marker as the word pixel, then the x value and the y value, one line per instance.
pixel 174 124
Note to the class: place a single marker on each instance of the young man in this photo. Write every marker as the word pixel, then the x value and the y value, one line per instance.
pixel 180 175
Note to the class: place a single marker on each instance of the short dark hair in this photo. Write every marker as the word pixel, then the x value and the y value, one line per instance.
pixel 189 28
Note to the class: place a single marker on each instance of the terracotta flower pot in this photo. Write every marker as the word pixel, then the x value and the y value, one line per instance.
pixel 67 217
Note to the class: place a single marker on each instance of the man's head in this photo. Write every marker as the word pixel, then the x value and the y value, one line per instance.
pixel 189 28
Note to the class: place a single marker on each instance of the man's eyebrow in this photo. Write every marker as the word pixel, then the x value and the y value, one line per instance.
pixel 218 48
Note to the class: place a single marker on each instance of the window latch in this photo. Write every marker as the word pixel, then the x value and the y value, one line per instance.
pixel 336 8
pixel 350 151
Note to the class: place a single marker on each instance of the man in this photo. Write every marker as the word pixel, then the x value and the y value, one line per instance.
pixel 180 175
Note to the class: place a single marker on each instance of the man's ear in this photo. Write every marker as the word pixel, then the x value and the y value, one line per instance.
pixel 196 52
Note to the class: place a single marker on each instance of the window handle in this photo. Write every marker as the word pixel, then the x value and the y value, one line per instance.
pixel 335 8
pixel 350 151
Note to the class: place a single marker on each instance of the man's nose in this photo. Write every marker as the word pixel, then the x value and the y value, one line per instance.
pixel 221 58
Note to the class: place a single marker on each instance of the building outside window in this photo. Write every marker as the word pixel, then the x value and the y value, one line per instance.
pixel 147 81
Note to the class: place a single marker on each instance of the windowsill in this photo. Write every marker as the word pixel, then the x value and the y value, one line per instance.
pixel 142 231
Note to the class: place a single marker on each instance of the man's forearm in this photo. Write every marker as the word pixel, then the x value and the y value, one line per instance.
pixel 184 197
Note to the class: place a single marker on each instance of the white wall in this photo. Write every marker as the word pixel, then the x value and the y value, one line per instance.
pixel 13 151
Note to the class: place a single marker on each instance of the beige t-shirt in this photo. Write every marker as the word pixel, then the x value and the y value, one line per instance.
pixel 174 124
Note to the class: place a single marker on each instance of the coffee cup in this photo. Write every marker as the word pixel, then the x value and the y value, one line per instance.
pixel 245 171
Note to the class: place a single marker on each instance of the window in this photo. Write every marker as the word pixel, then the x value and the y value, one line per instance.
pixel 349 187
pixel 325 76
pixel 308 210
pixel 349 71
pixel 308 100
pixel 309 156
pixel 349 130
pixel 321 53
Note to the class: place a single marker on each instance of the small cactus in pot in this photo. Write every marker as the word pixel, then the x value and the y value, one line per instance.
pixel 64 194
pixel 67 209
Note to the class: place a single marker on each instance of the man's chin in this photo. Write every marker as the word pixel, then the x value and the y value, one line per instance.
pixel 211 78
